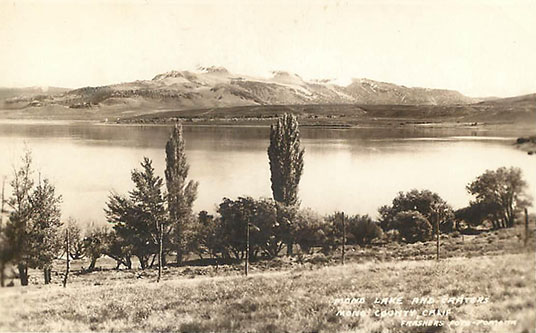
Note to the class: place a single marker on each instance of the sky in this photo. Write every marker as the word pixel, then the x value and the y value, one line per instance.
pixel 480 48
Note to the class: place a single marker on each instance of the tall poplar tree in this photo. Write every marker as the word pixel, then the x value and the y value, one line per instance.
pixel 181 192
pixel 286 166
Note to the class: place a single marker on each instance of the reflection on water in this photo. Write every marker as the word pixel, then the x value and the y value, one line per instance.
pixel 355 170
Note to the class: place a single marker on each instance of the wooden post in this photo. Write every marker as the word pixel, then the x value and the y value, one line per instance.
pixel 526 227
pixel 437 236
pixel 67 267
pixel 343 237
pixel 246 268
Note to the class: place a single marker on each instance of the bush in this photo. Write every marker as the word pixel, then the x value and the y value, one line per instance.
pixel 427 203
pixel 362 230
pixel 359 229
pixel 309 230
pixel 413 226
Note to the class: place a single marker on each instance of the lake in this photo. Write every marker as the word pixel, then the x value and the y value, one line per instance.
pixel 354 170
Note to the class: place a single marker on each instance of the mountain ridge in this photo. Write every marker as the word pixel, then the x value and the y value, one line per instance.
pixel 209 87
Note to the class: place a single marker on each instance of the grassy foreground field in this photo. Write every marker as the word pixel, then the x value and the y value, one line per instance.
pixel 300 299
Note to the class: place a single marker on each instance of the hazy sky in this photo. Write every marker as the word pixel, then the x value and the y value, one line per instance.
pixel 481 48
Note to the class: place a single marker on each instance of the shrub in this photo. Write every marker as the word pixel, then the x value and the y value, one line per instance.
pixel 359 229
pixel 413 226
pixel 362 230
pixel 309 230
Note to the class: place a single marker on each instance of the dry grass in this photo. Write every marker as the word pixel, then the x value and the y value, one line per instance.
pixel 291 295
pixel 295 300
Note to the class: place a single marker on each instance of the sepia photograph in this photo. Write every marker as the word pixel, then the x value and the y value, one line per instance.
pixel 268 166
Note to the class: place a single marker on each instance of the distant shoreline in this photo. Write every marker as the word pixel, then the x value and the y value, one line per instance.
pixel 524 128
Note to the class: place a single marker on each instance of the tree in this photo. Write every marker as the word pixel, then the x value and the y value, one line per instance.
pixel 233 218
pixel 76 240
pixel 286 167
pixel 265 236
pixel 151 204
pixel 34 222
pixel 115 247
pixel 477 213
pixel 94 245
pixel 138 219
pixel 181 193
pixel 427 203
pixel 208 235
pixel 19 218
pixel 505 190
pixel 45 227
pixel 413 226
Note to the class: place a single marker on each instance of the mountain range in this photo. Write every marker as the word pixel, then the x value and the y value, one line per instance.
pixel 217 87
pixel 215 93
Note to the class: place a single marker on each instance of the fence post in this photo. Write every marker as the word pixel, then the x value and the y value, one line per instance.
pixel 246 268
pixel 526 227
pixel 67 251
pixel 437 236
pixel 343 237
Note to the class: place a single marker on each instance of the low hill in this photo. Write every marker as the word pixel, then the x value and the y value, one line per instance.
pixel 523 101
pixel 9 93
pixel 346 115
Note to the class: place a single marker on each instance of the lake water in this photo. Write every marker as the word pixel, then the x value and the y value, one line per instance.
pixel 355 170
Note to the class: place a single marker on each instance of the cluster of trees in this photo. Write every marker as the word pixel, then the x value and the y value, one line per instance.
pixel 224 236
pixel 154 221
pixel 150 221
pixel 152 224
pixel 416 215
pixel 500 195
pixel 34 234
